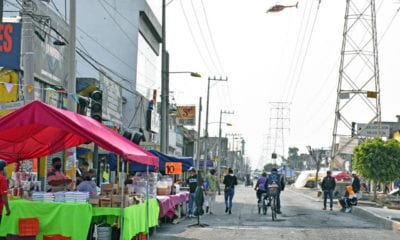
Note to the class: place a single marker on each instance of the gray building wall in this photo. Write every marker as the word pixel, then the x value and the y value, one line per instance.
pixel 115 34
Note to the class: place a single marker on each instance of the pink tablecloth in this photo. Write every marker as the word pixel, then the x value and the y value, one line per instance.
pixel 167 203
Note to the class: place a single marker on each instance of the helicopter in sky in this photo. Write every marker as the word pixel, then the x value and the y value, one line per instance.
pixel 278 8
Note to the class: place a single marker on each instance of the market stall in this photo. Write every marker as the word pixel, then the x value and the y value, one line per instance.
pixel 52 217
pixel 168 203
pixel 38 129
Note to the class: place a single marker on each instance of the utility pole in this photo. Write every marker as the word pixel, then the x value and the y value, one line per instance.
pixel 28 54
pixel 164 87
pixel 206 131
pixel 71 55
pixel 234 136
pixel 1 10
pixel 198 138
pixel 358 88
pixel 220 145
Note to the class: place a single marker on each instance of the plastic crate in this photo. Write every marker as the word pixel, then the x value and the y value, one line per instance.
pixel 55 237
pixel 28 226
pixel 16 237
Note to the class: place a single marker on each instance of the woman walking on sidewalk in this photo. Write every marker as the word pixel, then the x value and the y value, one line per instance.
pixel 230 181
pixel 213 187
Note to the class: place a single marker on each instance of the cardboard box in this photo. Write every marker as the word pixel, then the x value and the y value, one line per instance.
pixel 105 202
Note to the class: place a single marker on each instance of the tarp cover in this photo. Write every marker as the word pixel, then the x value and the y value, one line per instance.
pixel 287 171
pixel 187 162
pixel 38 129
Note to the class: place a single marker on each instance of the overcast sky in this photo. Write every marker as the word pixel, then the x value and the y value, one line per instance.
pixel 271 58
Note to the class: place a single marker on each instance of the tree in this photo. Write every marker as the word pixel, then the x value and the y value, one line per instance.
pixel 316 156
pixel 294 160
pixel 268 167
pixel 377 160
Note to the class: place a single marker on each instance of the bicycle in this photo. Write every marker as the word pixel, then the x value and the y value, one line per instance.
pixel 273 193
pixel 263 203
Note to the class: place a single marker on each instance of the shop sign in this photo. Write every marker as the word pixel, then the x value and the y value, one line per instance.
pixel 186 115
pixel 10 45
pixel 173 168
pixel 11 105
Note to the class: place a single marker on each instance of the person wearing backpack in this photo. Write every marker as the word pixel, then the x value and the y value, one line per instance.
pixel 328 185
pixel 278 179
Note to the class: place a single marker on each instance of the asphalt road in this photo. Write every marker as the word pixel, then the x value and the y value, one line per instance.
pixel 302 218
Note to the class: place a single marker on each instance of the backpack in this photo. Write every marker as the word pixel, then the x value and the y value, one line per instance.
pixel 274 178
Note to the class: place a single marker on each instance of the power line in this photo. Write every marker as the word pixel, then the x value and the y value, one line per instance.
pixel 212 39
pixel 290 71
pixel 202 36
pixel 304 56
pixel 112 53
pixel 299 55
pixel 193 38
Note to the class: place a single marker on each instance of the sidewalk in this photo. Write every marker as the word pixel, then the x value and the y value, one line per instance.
pixel 388 218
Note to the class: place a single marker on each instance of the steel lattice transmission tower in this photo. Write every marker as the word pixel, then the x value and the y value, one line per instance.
pixel 358 92
pixel 279 128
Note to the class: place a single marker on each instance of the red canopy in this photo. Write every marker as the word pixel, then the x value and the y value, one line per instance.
pixel 38 129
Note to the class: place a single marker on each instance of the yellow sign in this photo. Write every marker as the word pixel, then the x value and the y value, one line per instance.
pixel 8 88
pixel 173 168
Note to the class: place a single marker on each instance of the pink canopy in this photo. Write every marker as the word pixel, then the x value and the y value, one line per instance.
pixel 38 129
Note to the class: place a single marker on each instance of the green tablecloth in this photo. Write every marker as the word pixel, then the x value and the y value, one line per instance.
pixel 73 219
pixel 134 217
pixel 68 219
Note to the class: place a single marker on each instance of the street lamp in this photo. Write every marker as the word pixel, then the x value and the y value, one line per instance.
pixel 193 74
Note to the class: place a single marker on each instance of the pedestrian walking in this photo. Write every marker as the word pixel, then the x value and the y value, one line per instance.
pixel 3 190
pixel 230 181
pixel 328 186
pixel 192 183
pixel 213 187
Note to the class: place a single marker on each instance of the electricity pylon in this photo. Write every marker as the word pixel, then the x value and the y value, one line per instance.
pixel 358 92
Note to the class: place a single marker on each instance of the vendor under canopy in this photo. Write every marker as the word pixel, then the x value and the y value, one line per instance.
pixel 55 177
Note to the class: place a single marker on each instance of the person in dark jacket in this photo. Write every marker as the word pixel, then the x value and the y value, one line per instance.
pixel 192 183
pixel 230 181
pixel 355 182
pixel 328 185
pixel 278 179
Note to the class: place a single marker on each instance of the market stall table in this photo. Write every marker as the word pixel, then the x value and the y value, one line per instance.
pixel 74 219
pixel 134 217
pixel 167 203
pixel 54 218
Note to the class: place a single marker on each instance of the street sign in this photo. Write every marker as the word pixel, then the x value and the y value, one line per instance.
pixel 11 105
pixel 347 144
pixel 173 168
pixel 372 130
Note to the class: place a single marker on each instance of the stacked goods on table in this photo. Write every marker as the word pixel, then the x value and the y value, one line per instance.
pixel 110 196
pixel 70 197
pixel 164 186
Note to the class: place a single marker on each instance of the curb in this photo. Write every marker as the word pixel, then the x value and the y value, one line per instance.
pixel 384 222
